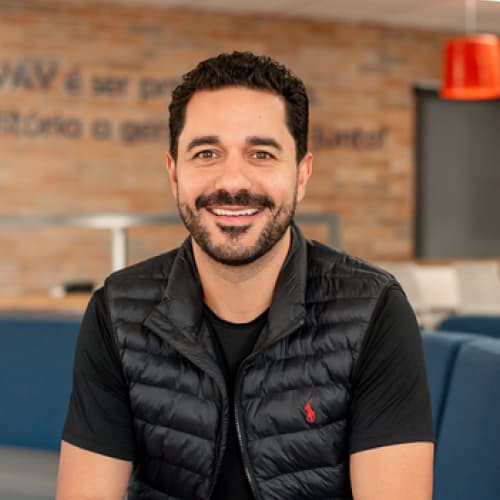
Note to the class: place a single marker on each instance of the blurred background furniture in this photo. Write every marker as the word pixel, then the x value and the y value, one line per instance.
pixel 483 325
pixel 478 287
pixel 463 372
pixel 438 290
pixel 440 353
pixel 35 384
pixel 469 289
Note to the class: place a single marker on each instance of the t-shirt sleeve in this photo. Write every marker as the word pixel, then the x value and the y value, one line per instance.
pixel 99 417
pixel 391 402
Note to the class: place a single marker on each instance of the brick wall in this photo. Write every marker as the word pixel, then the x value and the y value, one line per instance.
pixel 83 110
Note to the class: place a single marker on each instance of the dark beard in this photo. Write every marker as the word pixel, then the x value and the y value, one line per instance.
pixel 272 233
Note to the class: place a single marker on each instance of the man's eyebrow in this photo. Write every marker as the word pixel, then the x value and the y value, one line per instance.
pixel 202 140
pixel 255 140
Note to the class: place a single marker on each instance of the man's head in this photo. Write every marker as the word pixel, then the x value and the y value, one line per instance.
pixel 243 69
pixel 234 164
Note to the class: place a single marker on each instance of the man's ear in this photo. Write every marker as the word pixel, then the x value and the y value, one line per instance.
pixel 303 174
pixel 172 172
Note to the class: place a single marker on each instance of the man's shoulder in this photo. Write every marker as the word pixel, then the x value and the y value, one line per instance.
pixel 157 267
pixel 144 281
pixel 132 292
pixel 324 260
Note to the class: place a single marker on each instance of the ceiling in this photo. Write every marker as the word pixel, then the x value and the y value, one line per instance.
pixel 424 14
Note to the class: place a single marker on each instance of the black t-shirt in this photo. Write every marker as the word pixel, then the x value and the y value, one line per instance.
pixel 235 342
pixel 390 398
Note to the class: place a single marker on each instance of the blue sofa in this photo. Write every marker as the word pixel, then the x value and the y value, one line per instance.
pixel 464 379
pixel 36 358
pixel 479 324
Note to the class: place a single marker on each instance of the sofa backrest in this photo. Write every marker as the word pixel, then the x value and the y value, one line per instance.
pixel 36 358
pixel 467 462
pixel 479 324
pixel 440 353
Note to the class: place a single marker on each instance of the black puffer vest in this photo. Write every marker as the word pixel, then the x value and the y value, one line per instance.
pixel 293 392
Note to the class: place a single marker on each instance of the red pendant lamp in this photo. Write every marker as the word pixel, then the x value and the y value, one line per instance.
pixel 471 68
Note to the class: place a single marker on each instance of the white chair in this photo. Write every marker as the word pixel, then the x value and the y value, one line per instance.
pixel 479 287
pixel 438 287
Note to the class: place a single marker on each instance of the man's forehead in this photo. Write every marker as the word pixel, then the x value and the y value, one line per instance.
pixel 235 110
pixel 251 140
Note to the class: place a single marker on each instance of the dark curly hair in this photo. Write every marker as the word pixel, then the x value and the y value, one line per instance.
pixel 246 70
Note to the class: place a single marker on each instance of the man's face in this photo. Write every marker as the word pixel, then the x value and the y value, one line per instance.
pixel 236 180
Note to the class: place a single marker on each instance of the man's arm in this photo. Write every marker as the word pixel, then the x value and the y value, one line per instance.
pixel 85 475
pixel 391 448
pixel 396 472
pixel 97 447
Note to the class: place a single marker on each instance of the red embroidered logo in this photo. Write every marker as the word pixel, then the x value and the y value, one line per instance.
pixel 310 413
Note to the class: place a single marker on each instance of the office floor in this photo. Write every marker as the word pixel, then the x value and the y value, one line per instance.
pixel 27 474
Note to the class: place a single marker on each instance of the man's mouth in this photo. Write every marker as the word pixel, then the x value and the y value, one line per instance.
pixel 233 212
pixel 242 204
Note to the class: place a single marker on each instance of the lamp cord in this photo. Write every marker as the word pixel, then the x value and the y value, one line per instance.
pixel 470 16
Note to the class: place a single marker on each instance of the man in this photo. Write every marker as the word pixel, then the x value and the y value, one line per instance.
pixel 250 362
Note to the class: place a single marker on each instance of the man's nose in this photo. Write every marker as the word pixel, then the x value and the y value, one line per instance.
pixel 233 175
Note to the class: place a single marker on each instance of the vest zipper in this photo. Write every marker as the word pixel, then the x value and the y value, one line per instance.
pixel 237 412
pixel 225 423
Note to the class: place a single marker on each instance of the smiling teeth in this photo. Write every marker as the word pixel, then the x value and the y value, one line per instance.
pixel 234 213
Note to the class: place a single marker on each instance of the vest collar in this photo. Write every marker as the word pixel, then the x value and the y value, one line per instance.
pixel 287 310
pixel 182 302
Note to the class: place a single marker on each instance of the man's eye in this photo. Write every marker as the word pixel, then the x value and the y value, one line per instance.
pixel 262 155
pixel 205 155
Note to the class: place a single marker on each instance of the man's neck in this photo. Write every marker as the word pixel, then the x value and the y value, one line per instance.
pixel 239 294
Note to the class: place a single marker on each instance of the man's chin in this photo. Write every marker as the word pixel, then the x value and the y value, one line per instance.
pixel 233 246
pixel 234 232
pixel 232 241
pixel 231 256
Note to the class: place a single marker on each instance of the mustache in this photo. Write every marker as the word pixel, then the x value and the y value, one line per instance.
pixel 242 198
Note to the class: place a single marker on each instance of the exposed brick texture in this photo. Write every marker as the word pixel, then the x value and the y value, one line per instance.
pixel 84 90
